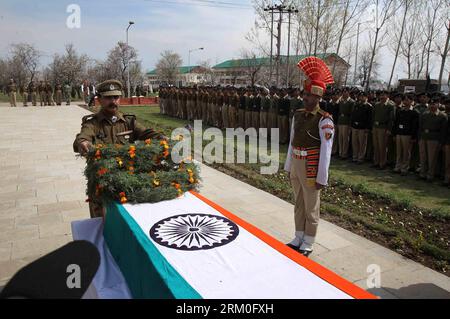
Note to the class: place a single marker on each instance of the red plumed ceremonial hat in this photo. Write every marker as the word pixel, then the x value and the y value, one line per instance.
pixel 318 74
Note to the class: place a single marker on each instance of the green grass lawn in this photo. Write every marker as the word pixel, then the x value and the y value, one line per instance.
pixel 408 189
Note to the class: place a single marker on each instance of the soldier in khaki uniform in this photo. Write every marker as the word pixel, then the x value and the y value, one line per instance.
pixel 263 114
pixel 109 126
pixel 273 112
pixel 41 91
pixel 24 93
pixel 32 89
pixel 226 108
pixel 308 158
pixel 383 121
pixel 361 123
pixel 58 94
pixel 447 145
pixel 283 117
pixel 234 106
pixel 12 91
pixel 48 93
pixel 432 136
pixel 241 111
pixel 346 105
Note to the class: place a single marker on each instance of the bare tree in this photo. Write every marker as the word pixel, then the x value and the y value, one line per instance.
pixel 251 65
pixel 117 62
pixel 412 41
pixel 406 5
pixel 28 56
pixel 351 12
pixel 384 9
pixel 69 67
pixel 430 28
pixel 442 44
pixel 365 64
pixel 168 66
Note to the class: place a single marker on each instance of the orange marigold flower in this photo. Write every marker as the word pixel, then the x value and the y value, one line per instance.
pixel 176 185
pixel 98 154
pixel 156 183
pixel 123 200
pixel 102 171
pixel 148 141
pixel 166 153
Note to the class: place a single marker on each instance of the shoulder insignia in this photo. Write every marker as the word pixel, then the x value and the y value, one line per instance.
pixel 325 115
pixel 87 118
pixel 130 116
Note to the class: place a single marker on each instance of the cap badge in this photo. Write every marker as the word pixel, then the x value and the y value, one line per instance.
pixel 111 87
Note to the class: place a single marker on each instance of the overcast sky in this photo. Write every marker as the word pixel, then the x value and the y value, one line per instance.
pixel 159 25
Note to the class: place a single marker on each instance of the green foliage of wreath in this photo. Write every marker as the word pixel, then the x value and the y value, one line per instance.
pixel 143 172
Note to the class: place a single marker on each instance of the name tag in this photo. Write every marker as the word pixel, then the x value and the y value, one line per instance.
pixel 401 126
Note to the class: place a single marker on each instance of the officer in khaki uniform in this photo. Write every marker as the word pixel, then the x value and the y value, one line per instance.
pixel 12 91
pixel 109 126
pixel 309 155
pixel 432 135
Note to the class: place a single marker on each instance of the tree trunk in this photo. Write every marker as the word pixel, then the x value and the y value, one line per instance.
pixel 317 29
pixel 444 56
pixel 399 42
pixel 372 58
pixel 430 40
pixel 341 35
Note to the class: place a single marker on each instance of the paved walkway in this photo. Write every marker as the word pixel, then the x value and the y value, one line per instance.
pixel 42 191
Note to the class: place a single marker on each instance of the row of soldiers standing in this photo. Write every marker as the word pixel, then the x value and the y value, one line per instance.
pixel 411 132
pixel 47 94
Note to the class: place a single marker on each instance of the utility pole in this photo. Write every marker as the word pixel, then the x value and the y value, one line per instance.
pixel 288 75
pixel 271 9
pixel 281 10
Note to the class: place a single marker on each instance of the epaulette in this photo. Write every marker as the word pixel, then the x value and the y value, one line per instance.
pixel 87 118
pixel 131 116
pixel 325 114
pixel 300 110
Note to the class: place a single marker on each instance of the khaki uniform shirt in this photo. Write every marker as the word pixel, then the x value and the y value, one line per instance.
pixel 97 129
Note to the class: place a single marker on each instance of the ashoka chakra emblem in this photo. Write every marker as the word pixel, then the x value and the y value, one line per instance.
pixel 194 232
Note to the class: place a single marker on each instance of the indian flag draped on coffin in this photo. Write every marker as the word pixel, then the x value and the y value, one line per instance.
pixel 190 248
